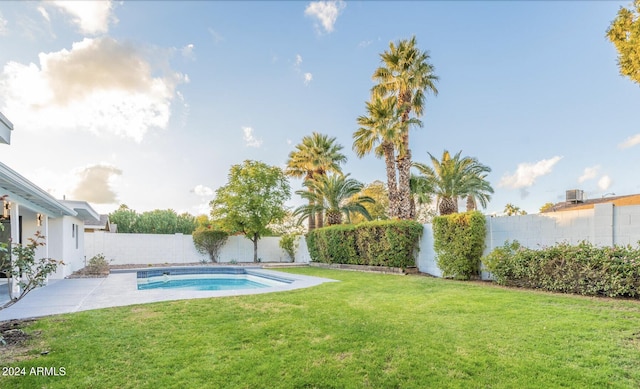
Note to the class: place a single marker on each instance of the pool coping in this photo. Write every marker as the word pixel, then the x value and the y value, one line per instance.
pixel 120 289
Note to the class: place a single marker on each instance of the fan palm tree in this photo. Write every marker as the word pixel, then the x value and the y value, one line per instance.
pixel 381 131
pixel 454 177
pixel 333 194
pixel 407 74
pixel 316 155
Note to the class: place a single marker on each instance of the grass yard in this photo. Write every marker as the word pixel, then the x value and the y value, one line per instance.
pixel 367 331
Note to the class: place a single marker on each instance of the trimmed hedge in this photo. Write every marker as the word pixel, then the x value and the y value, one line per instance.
pixel 392 243
pixel 459 243
pixel 580 269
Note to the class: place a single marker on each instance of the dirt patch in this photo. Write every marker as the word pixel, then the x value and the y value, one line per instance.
pixel 85 272
pixel 14 340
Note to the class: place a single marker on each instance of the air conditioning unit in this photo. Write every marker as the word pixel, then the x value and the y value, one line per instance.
pixel 575 196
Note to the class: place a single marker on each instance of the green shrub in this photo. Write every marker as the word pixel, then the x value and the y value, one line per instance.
pixel 289 243
pixel 459 243
pixel 209 241
pixel 581 269
pixel 392 243
pixel 98 265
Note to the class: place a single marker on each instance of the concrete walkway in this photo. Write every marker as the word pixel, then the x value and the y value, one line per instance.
pixel 120 289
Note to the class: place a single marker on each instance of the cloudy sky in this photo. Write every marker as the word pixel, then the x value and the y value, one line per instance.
pixel 149 103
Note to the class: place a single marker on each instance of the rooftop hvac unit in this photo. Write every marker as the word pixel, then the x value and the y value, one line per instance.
pixel 575 196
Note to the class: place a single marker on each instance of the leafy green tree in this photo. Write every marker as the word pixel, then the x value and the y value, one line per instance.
pixel 512 210
pixel 186 223
pixel 253 198
pixel 546 207
pixel 125 218
pixel 454 177
pixel 209 241
pixel 406 74
pixel 379 209
pixel 333 194
pixel 624 33
pixel 316 155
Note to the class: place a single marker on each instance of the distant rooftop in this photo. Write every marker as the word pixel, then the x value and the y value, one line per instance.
pixel 618 201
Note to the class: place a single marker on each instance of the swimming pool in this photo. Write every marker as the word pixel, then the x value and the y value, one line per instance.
pixel 207 279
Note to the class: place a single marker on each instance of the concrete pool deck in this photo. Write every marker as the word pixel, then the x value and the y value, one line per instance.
pixel 120 289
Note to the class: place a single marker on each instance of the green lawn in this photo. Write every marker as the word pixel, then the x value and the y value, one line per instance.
pixel 368 331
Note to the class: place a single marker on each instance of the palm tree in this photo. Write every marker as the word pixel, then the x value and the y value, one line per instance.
pixel 455 177
pixel 381 131
pixel 316 155
pixel 512 210
pixel 407 74
pixel 333 194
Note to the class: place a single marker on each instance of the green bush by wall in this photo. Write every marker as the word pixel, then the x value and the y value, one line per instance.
pixel 392 243
pixel 459 243
pixel 581 269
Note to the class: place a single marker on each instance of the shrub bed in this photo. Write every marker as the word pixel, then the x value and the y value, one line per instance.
pixel 459 243
pixel 581 269
pixel 392 243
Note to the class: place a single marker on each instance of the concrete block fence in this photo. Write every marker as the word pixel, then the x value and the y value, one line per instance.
pixel 604 225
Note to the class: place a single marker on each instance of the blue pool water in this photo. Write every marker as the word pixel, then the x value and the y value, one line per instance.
pixel 203 284
pixel 206 278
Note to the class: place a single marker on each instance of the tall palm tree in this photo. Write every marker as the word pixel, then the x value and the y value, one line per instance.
pixel 333 194
pixel 316 155
pixel 454 177
pixel 407 74
pixel 381 131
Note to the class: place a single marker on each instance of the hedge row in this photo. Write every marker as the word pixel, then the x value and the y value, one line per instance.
pixel 459 243
pixel 581 269
pixel 392 243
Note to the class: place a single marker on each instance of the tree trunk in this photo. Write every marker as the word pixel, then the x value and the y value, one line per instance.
pixel 319 219
pixel 471 203
pixel 390 162
pixel 404 188
pixel 448 206
pixel 255 247
pixel 404 164
pixel 312 218
pixel 334 217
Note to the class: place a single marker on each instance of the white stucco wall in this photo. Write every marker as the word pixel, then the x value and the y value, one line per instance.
pixel 63 244
pixel 144 249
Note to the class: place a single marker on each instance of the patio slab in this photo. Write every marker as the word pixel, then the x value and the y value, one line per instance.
pixel 120 289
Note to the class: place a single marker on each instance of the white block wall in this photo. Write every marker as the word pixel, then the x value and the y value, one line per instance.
pixel 145 249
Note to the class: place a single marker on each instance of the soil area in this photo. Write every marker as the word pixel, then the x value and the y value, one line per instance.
pixel 13 339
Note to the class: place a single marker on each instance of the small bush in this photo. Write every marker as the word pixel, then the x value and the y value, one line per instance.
pixel 209 241
pixel 97 265
pixel 289 243
pixel 581 269
pixel 459 243
pixel 392 243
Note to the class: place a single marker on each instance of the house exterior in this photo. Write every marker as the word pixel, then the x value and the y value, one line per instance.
pixel 27 209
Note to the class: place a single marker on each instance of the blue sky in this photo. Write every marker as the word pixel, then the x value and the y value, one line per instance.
pixel 149 103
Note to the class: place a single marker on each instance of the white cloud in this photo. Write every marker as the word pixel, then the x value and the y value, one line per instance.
pixel 94 184
pixel 100 85
pixel 630 142
pixel 364 43
pixel 307 78
pixel 589 174
pixel 248 137
pixel 187 51
pixel 526 173
pixel 217 37
pixel 44 13
pixel 3 26
pixel 92 17
pixel 202 190
pixel 298 61
pixel 604 183
pixel 326 12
